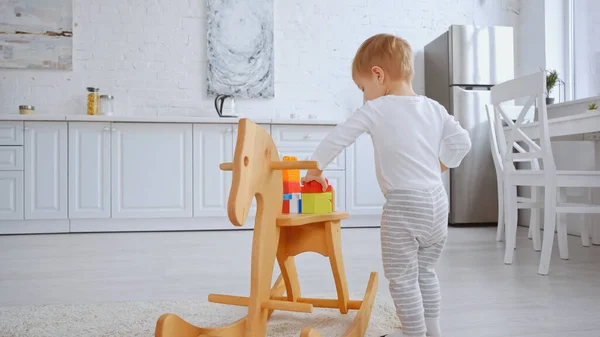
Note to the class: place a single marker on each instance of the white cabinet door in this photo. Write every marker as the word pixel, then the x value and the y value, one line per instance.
pixel 89 170
pixel 151 170
pixel 337 179
pixel 363 195
pixel 11 195
pixel 45 170
pixel 213 144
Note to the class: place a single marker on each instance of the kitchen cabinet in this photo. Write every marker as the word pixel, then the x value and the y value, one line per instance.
pixel 89 170
pixel 11 133
pixel 301 141
pixel 363 195
pixel 11 158
pixel 151 170
pixel 45 172
pixel 11 195
pixel 213 144
pixel 337 180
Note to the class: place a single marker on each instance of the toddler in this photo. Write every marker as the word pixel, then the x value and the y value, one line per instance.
pixel 415 140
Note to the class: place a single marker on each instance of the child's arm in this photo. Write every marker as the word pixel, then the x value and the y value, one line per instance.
pixel 455 144
pixel 341 137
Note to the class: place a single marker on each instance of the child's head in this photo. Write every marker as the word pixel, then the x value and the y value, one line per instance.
pixel 381 62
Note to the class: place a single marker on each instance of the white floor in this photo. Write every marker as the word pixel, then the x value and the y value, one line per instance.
pixel 481 296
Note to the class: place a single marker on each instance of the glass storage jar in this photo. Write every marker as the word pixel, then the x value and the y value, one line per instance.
pixel 26 109
pixel 92 100
pixel 107 107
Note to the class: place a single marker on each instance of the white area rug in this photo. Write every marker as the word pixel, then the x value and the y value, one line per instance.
pixel 134 319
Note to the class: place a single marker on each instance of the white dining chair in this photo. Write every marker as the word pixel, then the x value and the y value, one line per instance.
pixel 532 88
pixel 533 203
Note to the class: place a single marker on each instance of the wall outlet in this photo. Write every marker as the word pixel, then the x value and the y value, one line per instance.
pixel 595 136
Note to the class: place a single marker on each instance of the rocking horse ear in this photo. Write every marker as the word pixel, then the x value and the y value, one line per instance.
pixel 242 189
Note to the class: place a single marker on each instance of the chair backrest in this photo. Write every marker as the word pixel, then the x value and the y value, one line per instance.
pixel 253 176
pixel 495 126
pixel 531 87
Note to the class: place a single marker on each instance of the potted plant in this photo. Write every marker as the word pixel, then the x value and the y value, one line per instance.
pixel 551 81
pixel 593 106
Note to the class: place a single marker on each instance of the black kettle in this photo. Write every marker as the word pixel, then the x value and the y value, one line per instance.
pixel 225 105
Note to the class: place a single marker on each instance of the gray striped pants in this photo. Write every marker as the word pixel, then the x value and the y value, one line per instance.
pixel 414 227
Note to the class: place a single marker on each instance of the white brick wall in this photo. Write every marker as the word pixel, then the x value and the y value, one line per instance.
pixel 151 54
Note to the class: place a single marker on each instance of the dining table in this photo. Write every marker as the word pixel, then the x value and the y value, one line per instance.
pixel 572 120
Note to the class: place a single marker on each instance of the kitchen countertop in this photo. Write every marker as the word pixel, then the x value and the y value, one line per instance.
pixel 163 119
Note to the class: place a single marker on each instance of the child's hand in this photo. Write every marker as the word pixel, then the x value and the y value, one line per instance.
pixel 315 175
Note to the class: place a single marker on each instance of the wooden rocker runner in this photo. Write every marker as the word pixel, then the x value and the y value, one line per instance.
pixel 257 173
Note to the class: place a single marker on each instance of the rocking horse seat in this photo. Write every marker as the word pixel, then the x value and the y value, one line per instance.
pixel 291 220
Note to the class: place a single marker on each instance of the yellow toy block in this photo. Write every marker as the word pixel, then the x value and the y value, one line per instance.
pixel 317 203
pixel 290 175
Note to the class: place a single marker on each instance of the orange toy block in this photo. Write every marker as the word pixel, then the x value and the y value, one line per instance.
pixel 290 175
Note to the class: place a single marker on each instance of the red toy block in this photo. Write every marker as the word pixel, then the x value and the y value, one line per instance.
pixel 291 187
pixel 315 187
pixel 286 207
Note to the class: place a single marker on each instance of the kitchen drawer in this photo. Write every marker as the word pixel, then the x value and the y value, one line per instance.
pixel 308 136
pixel 11 158
pixel 11 133
pixel 304 153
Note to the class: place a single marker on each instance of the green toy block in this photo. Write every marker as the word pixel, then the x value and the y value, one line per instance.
pixel 317 203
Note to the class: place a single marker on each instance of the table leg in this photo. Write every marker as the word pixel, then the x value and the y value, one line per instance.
pixel 596 199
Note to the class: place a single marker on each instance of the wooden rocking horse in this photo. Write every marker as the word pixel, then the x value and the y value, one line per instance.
pixel 257 173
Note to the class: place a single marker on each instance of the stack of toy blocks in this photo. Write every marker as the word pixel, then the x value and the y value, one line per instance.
pixel 314 200
pixel 292 192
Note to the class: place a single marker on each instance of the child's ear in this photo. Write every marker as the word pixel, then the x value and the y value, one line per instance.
pixel 378 73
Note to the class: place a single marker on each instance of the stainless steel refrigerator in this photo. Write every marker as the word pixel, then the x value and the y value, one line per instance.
pixel 461 66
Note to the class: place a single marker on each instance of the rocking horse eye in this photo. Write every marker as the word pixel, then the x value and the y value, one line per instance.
pixel 246 160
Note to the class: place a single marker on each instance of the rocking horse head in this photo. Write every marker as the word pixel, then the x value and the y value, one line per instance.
pixel 252 173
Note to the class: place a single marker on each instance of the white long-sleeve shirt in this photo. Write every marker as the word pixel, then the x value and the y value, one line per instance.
pixel 411 135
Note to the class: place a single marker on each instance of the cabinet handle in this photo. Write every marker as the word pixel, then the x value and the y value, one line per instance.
pixel 113 129
pixel 26 128
pixel 308 136
pixel 106 128
pixel 229 130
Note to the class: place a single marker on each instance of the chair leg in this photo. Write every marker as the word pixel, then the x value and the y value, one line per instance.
pixel 586 221
pixel 334 246
pixel 510 193
pixel 549 228
pixel 561 226
pixel 500 231
pixel 534 221
pixel 585 230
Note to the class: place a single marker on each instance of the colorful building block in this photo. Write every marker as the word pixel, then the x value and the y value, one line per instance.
pixel 317 203
pixel 314 200
pixel 292 203
pixel 315 187
pixel 290 175
pixel 291 187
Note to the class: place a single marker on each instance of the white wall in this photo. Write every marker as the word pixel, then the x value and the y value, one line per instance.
pixel 151 54
pixel 531 54
pixel 586 48
pixel 557 42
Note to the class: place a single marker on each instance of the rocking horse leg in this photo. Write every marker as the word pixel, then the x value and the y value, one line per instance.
pixel 264 251
pixel 290 276
pixel 334 246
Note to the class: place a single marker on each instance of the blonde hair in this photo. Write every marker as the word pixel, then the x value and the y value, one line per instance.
pixel 391 53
